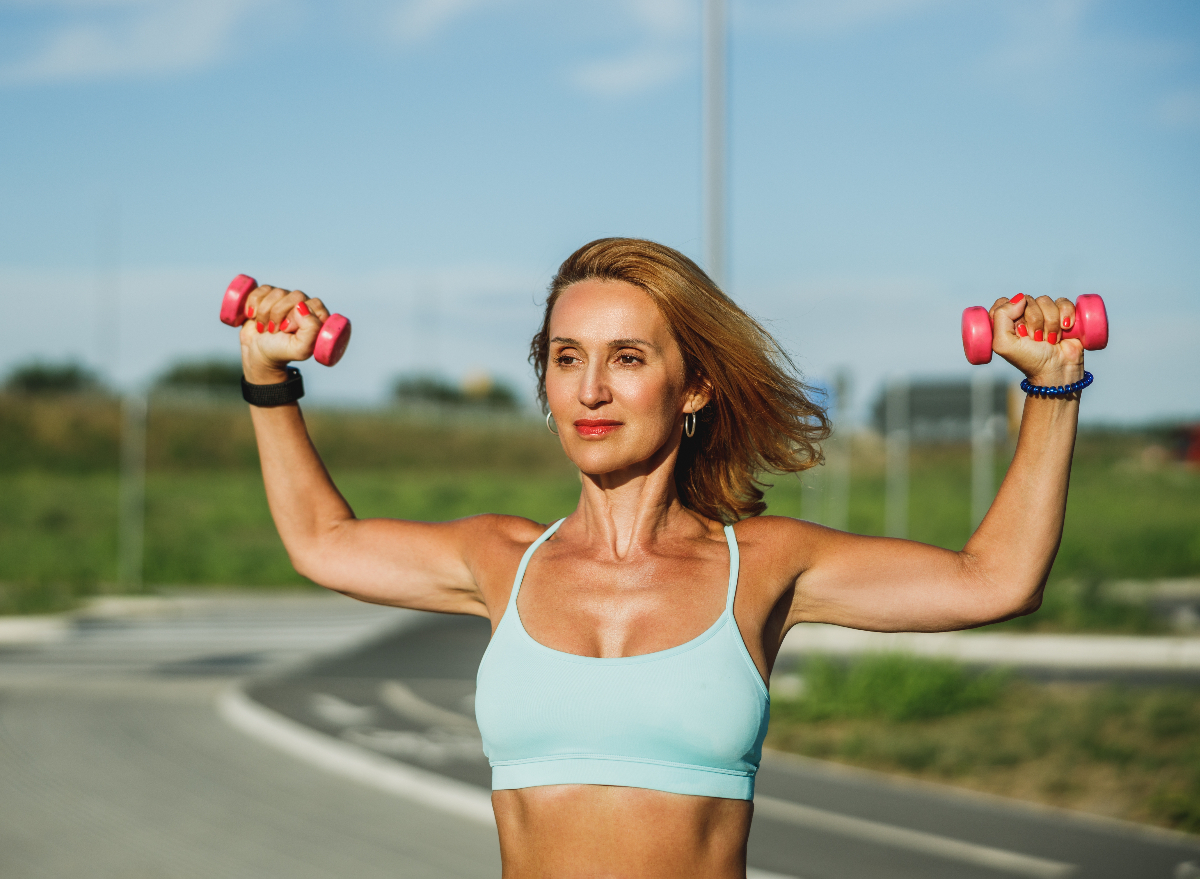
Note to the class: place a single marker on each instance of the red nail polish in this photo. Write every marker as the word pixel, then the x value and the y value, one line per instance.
pixel 1037 335
pixel 1066 323
pixel 271 328
pixel 283 326
pixel 303 309
pixel 1018 297
pixel 260 326
pixel 249 311
pixel 1021 331
pixel 1052 338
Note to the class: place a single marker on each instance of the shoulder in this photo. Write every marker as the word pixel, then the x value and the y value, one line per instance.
pixel 492 546
pixel 776 550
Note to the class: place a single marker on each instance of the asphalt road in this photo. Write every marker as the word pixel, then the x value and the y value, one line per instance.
pixel 114 763
pixel 408 696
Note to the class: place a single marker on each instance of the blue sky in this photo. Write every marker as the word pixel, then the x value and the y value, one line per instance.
pixel 425 165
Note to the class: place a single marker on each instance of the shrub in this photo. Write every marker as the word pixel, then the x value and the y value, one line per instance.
pixel 37 377
pixel 894 686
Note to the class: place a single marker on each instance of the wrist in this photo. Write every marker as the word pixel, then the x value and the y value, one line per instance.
pixel 264 373
pixel 1052 377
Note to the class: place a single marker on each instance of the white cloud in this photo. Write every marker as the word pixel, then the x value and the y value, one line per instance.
pixel 639 71
pixel 420 20
pixel 1042 35
pixel 133 37
pixel 666 17
pixel 822 17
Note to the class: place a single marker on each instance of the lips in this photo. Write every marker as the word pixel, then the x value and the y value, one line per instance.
pixel 596 427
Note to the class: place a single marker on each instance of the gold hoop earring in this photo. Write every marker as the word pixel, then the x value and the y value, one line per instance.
pixel 689 424
pixel 549 421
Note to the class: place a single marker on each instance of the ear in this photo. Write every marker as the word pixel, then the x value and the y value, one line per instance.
pixel 697 396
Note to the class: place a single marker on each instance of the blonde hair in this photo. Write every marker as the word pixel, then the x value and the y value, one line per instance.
pixel 761 416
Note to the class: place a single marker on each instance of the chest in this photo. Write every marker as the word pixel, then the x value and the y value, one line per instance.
pixel 576 604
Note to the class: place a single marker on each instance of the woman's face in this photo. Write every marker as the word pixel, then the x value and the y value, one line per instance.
pixel 615 378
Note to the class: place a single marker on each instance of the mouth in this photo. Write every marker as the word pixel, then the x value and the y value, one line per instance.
pixel 596 427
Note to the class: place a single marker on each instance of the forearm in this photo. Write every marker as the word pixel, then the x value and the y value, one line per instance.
pixel 1015 545
pixel 304 502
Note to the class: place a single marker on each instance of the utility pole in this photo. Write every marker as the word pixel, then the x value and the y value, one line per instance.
pixel 132 517
pixel 983 446
pixel 897 441
pixel 837 496
pixel 716 135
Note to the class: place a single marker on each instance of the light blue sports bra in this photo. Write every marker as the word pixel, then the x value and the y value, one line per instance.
pixel 689 720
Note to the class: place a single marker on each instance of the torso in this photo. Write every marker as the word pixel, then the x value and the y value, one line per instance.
pixel 647 602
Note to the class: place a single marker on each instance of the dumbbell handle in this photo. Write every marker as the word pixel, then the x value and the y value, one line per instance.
pixel 331 340
pixel 1090 327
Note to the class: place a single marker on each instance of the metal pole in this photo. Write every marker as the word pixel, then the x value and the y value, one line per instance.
pixel 837 498
pixel 897 441
pixel 107 325
pixel 131 533
pixel 812 495
pixel 983 447
pixel 715 137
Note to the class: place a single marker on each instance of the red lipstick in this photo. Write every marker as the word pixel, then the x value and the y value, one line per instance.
pixel 596 427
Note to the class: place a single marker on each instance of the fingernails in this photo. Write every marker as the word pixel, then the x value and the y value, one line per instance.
pixel 260 326
pixel 283 326
pixel 303 309
pixel 1021 331
pixel 1037 335
pixel 271 328
pixel 1052 338
pixel 1066 323
pixel 1018 297
pixel 249 310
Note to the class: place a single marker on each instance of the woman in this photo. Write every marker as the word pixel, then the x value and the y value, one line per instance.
pixel 622 699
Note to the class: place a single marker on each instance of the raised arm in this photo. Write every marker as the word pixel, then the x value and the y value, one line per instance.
pixel 900 585
pixel 386 561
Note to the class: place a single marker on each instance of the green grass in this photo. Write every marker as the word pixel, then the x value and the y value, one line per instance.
pixel 1128 753
pixel 208 524
pixel 58 541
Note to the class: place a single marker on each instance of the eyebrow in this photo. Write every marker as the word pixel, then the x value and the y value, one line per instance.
pixel 615 343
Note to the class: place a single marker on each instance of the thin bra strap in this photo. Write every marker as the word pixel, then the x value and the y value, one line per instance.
pixel 512 598
pixel 734 564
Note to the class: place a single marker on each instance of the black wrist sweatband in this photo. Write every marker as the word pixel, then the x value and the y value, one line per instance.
pixel 287 391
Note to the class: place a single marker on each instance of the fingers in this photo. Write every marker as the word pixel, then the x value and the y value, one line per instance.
pixel 1066 313
pixel 275 310
pixel 1050 326
pixel 318 308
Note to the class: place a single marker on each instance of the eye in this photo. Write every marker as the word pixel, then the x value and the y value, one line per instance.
pixel 566 359
pixel 629 359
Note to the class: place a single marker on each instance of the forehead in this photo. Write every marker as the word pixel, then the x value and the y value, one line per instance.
pixel 602 310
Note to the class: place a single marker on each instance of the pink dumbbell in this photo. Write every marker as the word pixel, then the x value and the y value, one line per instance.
pixel 331 341
pixel 1090 327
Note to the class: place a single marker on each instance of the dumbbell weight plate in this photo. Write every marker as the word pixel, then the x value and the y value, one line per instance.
pixel 977 334
pixel 332 340
pixel 233 303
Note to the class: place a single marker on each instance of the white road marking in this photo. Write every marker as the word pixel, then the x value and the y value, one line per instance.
pixel 339 712
pixel 403 701
pixel 430 789
pixel 913 840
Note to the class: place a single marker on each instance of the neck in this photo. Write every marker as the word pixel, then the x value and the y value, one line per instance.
pixel 628 510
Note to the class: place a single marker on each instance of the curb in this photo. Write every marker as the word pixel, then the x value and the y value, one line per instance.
pixel 1095 652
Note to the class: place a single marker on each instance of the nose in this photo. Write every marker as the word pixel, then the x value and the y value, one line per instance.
pixel 594 391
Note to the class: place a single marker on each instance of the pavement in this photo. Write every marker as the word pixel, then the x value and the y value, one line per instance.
pixel 311 736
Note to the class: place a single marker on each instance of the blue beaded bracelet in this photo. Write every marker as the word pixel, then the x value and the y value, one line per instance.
pixel 1060 390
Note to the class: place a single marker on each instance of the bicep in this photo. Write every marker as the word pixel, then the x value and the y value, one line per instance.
pixel 419 565
pixel 890 585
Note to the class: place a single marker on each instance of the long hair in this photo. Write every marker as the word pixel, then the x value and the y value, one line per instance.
pixel 761 416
